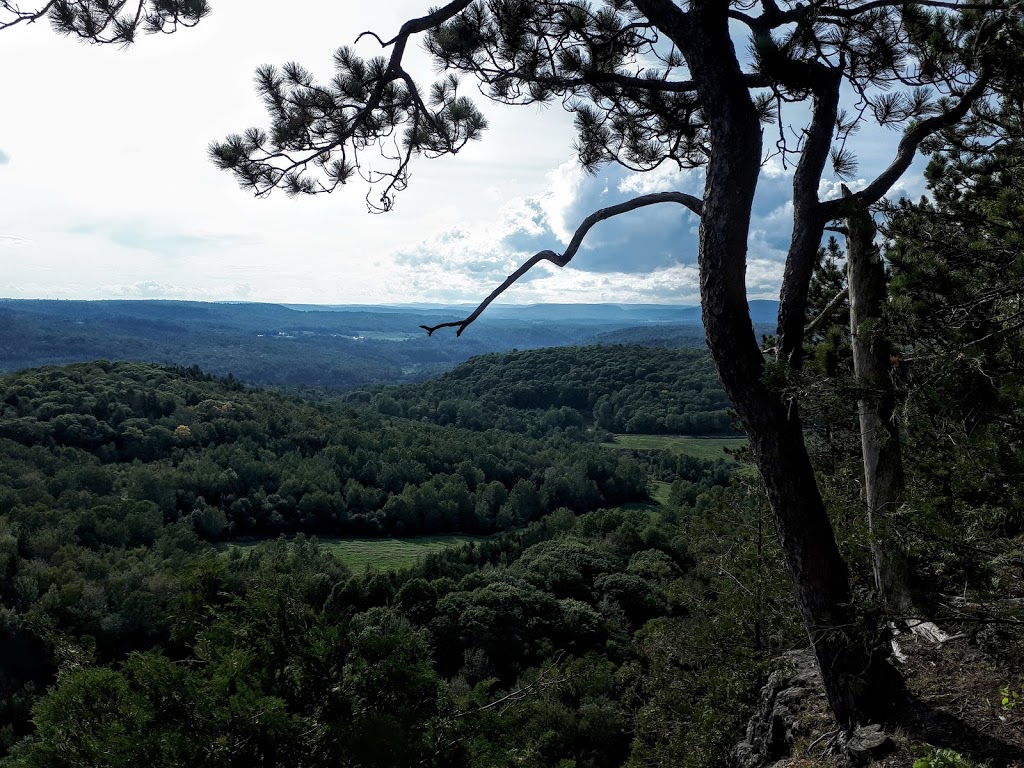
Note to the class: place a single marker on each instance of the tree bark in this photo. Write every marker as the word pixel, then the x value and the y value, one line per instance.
pixel 858 682
pixel 879 430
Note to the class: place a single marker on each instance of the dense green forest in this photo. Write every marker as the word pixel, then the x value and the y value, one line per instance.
pixel 173 588
pixel 572 390
pixel 669 336
pixel 602 629
pixel 125 440
pixel 160 648
pixel 598 619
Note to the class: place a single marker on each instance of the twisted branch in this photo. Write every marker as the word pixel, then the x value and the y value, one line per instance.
pixel 695 205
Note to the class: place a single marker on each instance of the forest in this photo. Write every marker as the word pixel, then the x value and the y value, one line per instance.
pixel 845 589
pixel 607 621
pixel 572 390
pixel 116 477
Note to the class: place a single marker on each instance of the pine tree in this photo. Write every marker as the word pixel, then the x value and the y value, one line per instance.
pixel 656 81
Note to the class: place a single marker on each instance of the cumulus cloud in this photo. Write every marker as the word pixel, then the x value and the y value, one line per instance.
pixel 647 255
pixel 664 178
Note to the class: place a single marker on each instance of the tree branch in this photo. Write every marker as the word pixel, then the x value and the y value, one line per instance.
pixel 751 79
pixel 692 203
pixel 853 12
pixel 255 167
pixel 807 219
pixel 905 152
pixel 20 15
pixel 108 23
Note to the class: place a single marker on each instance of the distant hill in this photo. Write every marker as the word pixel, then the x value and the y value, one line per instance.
pixel 335 347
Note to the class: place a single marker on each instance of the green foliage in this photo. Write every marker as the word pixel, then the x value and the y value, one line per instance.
pixel 957 285
pixel 138 445
pixel 572 391
pixel 108 22
pixel 943 758
pixel 1011 697
pixel 164 651
pixel 502 650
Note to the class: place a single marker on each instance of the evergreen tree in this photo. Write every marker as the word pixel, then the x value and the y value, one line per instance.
pixel 958 296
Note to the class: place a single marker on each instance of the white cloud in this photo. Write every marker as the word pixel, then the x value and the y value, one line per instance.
pixel 774 168
pixel 136 209
pixel 664 178
pixel 832 189
pixel 557 201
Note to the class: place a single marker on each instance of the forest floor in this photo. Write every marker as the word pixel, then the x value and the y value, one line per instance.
pixel 953 715
pixel 953 705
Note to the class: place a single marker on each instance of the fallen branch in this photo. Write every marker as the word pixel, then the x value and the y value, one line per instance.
pixel 694 204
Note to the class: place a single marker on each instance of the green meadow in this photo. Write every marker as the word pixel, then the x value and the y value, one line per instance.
pixel 707 448
pixel 363 554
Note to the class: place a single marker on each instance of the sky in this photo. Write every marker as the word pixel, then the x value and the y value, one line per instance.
pixel 106 190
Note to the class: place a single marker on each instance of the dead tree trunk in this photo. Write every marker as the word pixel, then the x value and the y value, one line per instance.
pixel 879 431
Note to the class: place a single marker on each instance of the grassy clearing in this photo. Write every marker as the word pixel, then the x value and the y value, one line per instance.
pixel 660 491
pixel 386 335
pixel 707 448
pixel 362 554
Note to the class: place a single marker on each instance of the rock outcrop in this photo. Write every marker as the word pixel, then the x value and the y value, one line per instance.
pixel 793 688
pixel 792 708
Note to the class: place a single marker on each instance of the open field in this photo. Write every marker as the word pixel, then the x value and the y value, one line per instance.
pixel 707 448
pixel 387 335
pixel 660 491
pixel 362 554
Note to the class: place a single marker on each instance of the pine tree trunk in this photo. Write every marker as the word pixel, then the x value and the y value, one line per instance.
pixel 858 682
pixel 879 431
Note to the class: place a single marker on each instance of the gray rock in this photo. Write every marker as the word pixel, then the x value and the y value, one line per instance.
pixel 869 743
pixel 770 731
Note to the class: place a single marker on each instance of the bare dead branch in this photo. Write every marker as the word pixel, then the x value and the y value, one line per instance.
pixel 831 307
pixel 374 35
pixel 694 204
